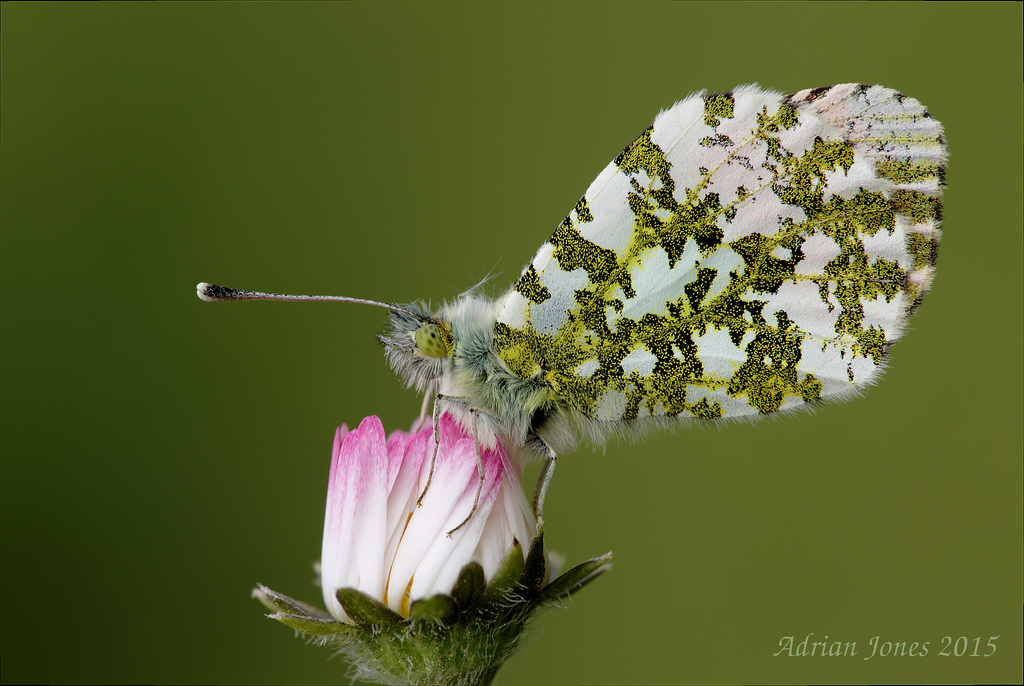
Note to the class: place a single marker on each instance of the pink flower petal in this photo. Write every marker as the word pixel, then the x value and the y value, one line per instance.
pixel 379 541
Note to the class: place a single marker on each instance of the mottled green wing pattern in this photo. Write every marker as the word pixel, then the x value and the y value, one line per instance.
pixel 748 253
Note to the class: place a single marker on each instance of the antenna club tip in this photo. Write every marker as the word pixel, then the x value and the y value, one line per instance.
pixel 212 293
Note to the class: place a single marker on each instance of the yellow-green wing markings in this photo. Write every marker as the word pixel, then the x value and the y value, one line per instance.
pixel 748 253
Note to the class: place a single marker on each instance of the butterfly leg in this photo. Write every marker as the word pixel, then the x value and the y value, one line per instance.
pixel 544 480
pixel 437 444
pixel 479 469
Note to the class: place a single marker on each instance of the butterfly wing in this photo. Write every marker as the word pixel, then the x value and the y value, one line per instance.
pixel 748 253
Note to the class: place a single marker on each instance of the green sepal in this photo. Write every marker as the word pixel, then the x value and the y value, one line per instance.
pixel 368 612
pixel 314 626
pixel 469 587
pixel 436 609
pixel 535 571
pixel 576 578
pixel 298 615
pixel 279 602
pixel 506 579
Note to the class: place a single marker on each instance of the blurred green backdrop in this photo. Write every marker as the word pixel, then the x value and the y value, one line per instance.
pixel 162 455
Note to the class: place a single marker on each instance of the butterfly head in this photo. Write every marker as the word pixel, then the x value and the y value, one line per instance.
pixel 417 345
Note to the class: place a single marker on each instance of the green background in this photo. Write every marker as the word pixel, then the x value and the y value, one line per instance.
pixel 161 455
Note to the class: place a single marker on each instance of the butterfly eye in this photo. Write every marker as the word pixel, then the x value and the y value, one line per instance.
pixel 431 341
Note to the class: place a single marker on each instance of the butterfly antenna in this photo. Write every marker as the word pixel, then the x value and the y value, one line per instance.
pixel 213 293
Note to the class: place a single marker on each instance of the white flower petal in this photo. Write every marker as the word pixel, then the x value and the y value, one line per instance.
pixel 370 509
pixel 427 530
pixel 410 457
pixel 437 572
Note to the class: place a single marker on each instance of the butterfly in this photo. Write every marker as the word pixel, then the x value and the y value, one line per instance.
pixel 750 253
